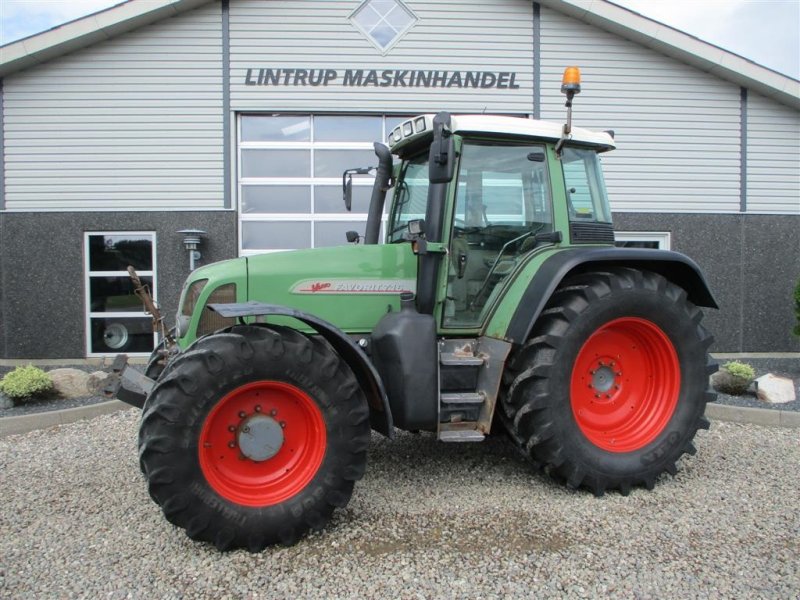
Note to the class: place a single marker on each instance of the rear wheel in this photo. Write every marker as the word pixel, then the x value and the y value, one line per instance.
pixel 611 388
pixel 253 436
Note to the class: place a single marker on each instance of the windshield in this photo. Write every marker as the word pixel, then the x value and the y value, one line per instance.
pixel 410 197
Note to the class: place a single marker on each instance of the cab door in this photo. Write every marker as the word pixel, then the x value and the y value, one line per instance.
pixel 502 200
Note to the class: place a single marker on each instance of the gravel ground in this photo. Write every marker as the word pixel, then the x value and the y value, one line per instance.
pixel 428 520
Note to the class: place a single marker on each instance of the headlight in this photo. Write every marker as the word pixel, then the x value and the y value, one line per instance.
pixel 181 325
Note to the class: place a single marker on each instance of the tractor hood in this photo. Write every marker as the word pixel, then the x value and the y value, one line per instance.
pixel 349 286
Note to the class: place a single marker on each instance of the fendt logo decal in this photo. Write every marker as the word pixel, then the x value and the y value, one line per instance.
pixel 354 286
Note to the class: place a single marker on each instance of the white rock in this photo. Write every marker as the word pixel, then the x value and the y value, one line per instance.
pixel 70 383
pixel 775 390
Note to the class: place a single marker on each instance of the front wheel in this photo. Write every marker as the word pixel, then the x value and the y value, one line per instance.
pixel 253 436
pixel 611 388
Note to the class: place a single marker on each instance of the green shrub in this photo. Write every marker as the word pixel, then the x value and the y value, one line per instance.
pixel 797 308
pixel 24 383
pixel 740 369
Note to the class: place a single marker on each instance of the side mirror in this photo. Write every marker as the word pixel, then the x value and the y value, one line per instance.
pixel 347 184
pixel 442 159
pixel 348 194
pixel 353 237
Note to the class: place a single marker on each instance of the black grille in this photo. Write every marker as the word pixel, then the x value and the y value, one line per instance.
pixel 211 321
pixel 591 233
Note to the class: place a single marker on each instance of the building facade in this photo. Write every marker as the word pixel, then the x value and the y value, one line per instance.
pixel 237 117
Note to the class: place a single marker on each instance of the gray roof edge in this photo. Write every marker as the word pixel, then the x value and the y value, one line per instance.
pixel 682 46
pixel 88 30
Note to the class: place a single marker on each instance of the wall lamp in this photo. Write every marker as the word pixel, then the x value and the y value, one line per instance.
pixel 192 238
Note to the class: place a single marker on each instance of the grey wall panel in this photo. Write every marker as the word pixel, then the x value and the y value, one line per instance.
pixel 133 123
pixel 43 300
pixel 749 273
pixel 466 35
pixel 773 156
pixel 677 129
pixel 770 271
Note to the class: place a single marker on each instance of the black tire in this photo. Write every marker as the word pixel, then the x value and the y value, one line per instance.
pixel 217 367
pixel 539 407
pixel 155 364
pixel 158 361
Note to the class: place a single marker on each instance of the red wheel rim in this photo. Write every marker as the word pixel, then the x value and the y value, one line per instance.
pixel 272 480
pixel 625 384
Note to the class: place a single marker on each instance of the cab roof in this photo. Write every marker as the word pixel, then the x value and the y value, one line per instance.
pixel 413 130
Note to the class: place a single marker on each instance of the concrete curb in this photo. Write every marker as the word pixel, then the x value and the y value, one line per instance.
pixel 43 420
pixel 755 416
pixel 716 412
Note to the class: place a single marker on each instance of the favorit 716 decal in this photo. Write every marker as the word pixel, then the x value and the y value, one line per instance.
pixel 354 286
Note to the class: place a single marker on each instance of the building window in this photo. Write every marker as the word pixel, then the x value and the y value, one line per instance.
pixel 643 239
pixel 115 318
pixel 383 22
pixel 290 178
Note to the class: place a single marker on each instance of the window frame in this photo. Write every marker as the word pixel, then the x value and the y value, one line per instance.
pixel 88 273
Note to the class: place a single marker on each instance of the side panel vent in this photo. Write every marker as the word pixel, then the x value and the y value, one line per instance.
pixel 591 233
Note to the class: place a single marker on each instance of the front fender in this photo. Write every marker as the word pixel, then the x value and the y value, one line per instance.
pixel 677 268
pixel 367 376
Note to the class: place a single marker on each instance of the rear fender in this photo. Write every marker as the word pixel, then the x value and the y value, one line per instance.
pixel 367 376
pixel 677 268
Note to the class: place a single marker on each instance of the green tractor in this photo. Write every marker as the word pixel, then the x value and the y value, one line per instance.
pixel 496 302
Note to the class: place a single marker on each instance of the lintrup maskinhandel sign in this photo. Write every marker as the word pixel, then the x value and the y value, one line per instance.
pixel 502 80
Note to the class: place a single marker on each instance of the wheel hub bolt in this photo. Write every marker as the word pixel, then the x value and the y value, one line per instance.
pixel 242 414
pixel 273 412
pixel 283 424
pixel 258 408
pixel 231 444
pixel 231 428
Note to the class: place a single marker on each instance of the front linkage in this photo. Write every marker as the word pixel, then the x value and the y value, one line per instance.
pixel 128 384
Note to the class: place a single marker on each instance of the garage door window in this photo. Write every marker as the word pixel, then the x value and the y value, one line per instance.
pixel 115 320
pixel 290 178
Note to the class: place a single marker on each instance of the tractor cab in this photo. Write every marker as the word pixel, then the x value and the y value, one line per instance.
pixel 491 203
